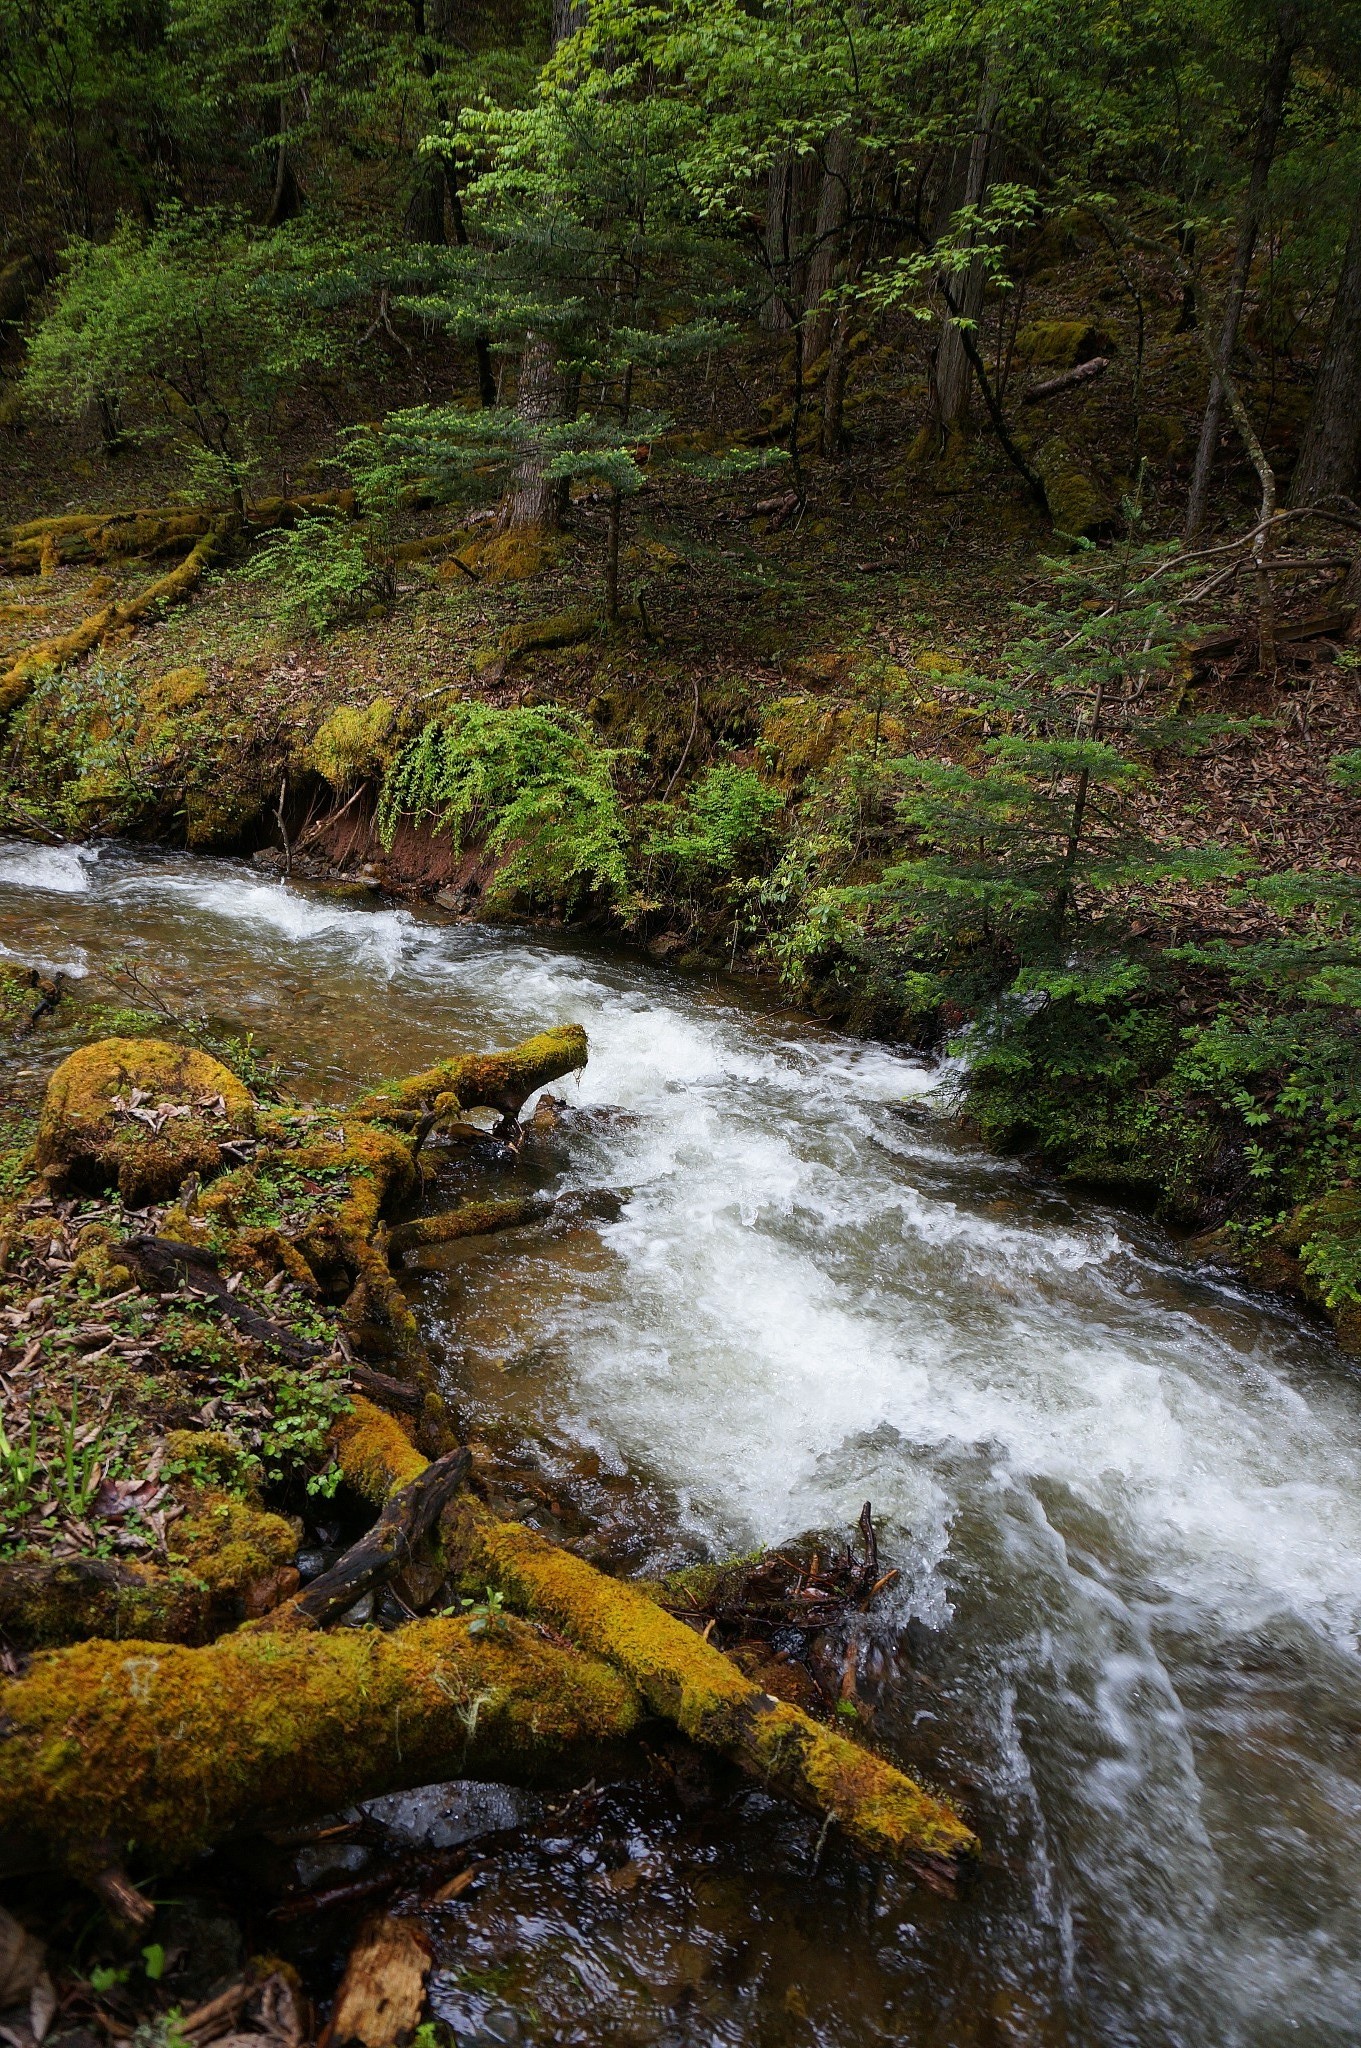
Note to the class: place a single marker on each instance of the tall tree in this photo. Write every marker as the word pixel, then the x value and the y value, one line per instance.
pixel 1287 36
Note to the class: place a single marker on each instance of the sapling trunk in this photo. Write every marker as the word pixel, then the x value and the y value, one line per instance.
pixel 612 556
pixel 1275 89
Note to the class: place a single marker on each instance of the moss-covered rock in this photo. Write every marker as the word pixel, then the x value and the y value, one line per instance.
pixel 244 1555
pixel 141 1115
pixel 1061 344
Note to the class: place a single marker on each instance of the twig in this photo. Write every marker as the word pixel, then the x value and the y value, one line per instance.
pixel 685 750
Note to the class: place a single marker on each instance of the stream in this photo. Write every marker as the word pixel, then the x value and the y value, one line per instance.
pixel 1123 1492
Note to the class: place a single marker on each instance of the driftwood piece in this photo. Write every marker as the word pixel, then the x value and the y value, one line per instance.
pixel 381 1386
pixel 407 1521
pixel 1082 373
pixel 382 1993
pixel 178 1748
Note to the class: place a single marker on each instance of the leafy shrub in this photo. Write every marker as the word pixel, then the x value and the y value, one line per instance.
pixel 723 824
pixel 321 571
pixel 532 785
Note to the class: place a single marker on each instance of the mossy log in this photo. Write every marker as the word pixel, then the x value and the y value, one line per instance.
pixel 471 1219
pixel 38 545
pixel 176 1748
pixel 18 678
pixel 679 1675
pixel 46 1602
pixel 502 1081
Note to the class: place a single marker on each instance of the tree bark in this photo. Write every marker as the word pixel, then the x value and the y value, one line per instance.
pixel 950 371
pixel 1330 454
pixel 1275 90
pixel 829 231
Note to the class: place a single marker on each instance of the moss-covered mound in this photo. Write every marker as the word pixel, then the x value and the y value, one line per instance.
pixel 140 1115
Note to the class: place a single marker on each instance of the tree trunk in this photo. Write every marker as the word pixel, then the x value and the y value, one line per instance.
pixel 612 558
pixel 1330 454
pixel 824 259
pixel 533 500
pixel 775 308
pixel 1275 89
pixel 950 372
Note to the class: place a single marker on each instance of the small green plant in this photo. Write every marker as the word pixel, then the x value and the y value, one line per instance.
pixel 724 824
pixel 81 1456
pixel 323 570
pixel 482 1616
pixel 20 1466
pixel 533 784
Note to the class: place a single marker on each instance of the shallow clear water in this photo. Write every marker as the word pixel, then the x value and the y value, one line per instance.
pixel 1126 1495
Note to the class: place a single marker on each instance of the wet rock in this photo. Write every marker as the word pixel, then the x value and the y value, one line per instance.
pixel 442 1816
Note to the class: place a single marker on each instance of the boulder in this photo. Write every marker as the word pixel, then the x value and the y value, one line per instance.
pixel 140 1115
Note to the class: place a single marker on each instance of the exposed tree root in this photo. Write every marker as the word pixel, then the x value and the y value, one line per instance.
pixel 177 1748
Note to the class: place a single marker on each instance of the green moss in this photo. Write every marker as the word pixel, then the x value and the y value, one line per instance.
pixel 236 1549
pixel 89 1132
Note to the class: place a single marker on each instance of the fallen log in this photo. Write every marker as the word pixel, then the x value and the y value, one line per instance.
pixel 502 1081
pixel 176 1748
pixel 166 1258
pixel 18 678
pixel 36 545
pixel 1082 373
pixel 407 1521
pixel 677 1673
pixel 471 1219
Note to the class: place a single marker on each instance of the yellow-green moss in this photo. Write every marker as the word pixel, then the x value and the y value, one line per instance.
pixel 497 1080
pixel 1061 344
pixel 230 1544
pixel 515 556
pixel 676 1672
pixel 174 1748
pixel 374 1452
pixel 82 1136
pixel 560 629
pixel 708 1698
pixel 352 742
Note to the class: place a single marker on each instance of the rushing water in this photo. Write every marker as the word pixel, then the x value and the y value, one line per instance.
pixel 1125 1495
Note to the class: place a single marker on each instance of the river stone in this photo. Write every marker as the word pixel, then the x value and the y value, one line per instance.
pixel 140 1114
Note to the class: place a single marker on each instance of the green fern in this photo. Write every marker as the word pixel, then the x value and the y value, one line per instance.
pixel 531 785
